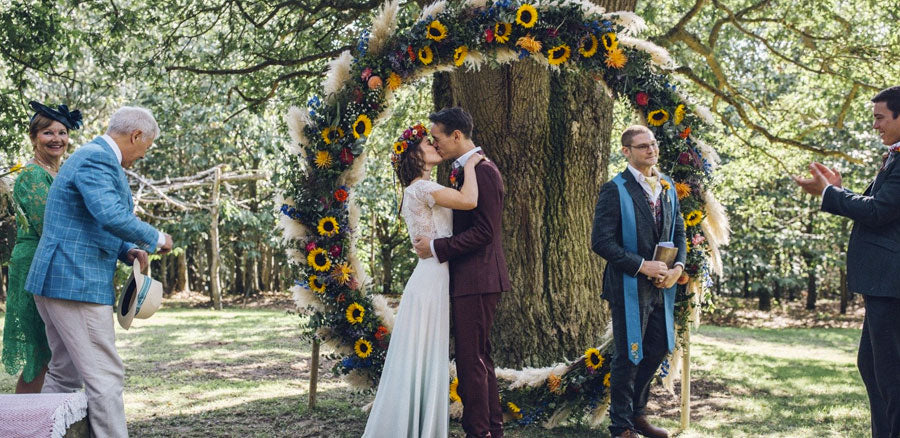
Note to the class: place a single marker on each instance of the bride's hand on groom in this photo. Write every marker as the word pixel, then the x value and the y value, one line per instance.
pixel 422 247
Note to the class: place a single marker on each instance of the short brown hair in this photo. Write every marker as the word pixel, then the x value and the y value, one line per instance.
pixel 633 131
pixel 38 123
pixel 453 119
pixel 891 97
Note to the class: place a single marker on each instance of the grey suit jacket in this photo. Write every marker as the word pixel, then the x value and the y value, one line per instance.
pixel 606 237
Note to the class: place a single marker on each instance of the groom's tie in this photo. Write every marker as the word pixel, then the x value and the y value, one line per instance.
pixel 652 181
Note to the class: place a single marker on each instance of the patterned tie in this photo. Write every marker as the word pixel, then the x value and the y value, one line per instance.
pixel 652 181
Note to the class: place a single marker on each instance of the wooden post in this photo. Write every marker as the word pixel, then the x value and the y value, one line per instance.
pixel 686 379
pixel 313 374
pixel 215 289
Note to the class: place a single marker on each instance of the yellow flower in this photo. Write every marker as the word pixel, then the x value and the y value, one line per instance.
pixel 606 380
pixel 683 190
pixel 315 284
pixel 436 31
pixel 363 348
pixel 616 58
pixel 693 218
pixel 679 114
pixel 553 383
pixel 426 55
pixel 323 159
pixel 355 313
pixel 362 127
pixel 591 49
pixel 399 147
pixel 342 273
pixel 318 259
pixel 454 396
pixel 658 117
pixel 559 54
pixel 394 81
pixel 332 133
pixel 687 245
pixel 665 184
pixel 593 359
pixel 16 168
pixel 610 42
pixel 460 55
pixel 528 43
pixel 526 16
pixel 328 226
pixel 502 31
pixel 514 410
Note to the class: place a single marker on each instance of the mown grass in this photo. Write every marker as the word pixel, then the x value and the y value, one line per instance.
pixel 244 373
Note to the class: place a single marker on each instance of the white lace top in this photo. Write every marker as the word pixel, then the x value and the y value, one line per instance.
pixel 424 218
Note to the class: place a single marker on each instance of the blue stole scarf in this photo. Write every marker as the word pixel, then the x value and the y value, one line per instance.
pixel 632 306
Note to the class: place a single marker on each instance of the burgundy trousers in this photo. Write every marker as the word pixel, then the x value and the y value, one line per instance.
pixel 473 317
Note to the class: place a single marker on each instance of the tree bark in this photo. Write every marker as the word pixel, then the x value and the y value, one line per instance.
pixel 181 277
pixel 549 133
pixel 214 287
pixel 238 286
pixel 164 274
pixel 765 299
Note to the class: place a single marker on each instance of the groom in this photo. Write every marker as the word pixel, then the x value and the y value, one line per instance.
pixel 477 273
pixel 872 262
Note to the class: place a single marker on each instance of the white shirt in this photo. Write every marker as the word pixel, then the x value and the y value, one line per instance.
pixel 642 180
pixel 161 239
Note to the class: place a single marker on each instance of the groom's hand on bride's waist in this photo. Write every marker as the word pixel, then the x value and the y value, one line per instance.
pixel 423 247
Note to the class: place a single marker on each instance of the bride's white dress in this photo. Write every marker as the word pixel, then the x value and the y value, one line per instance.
pixel 413 394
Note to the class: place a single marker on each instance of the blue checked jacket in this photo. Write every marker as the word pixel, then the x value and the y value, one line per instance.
pixel 89 222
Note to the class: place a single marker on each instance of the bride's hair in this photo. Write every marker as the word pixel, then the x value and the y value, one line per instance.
pixel 407 155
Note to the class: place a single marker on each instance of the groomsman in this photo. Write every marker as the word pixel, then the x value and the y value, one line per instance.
pixel 872 262
pixel 637 210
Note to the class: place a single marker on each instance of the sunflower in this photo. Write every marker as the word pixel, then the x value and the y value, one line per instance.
pixel 426 55
pixel 394 81
pixel 399 147
pixel 514 410
pixel 683 190
pixel 341 273
pixel 454 396
pixel 332 133
pixel 559 54
pixel 693 218
pixel 665 184
pixel 590 50
pixel 526 16
pixel 502 31
pixel 328 226
pixel 658 117
pixel 606 380
pixel 687 245
pixel 355 313
pixel 315 284
pixel 436 31
pixel 679 114
pixel 318 259
pixel 363 348
pixel 460 55
pixel 593 359
pixel 616 58
pixel 528 43
pixel 610 42
pixel 323 159
pixel 362 127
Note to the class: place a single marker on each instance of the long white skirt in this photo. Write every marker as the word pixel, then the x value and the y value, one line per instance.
pixel 413 394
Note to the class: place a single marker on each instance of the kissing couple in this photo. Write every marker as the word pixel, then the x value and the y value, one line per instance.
pixel 457 233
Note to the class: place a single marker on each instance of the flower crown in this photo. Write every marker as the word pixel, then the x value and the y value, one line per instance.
pixel 410 137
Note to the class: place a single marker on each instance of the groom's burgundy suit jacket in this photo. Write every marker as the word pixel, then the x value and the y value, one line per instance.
pixel 475 251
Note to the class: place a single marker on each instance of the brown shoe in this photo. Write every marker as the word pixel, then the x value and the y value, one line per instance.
pixel 627 434
pixel 644 428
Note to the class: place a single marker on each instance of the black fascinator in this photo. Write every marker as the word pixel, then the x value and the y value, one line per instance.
pixel 69 119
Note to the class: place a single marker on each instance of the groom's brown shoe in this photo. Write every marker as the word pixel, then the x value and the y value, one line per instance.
pixel 627 434
pixel 644 428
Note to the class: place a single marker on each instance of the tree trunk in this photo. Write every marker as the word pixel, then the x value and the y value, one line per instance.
pixel 746 282
pixel 253 277
pixel 765 299
pixel 553 155
pixel 214 287
pixel 265 271
pixel 238 286
pixel 181 277
pixel 811 292
pixel 164 274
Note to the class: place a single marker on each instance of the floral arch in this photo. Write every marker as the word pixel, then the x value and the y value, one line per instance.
pixel 326 160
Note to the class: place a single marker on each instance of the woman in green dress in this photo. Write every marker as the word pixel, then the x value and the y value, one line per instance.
pixel 25 345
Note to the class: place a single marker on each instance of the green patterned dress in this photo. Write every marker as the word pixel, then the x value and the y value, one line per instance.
pixel 24 339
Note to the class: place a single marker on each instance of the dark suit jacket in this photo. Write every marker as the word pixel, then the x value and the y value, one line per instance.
pixel 606 238
pixel 873 262
pixel 475 251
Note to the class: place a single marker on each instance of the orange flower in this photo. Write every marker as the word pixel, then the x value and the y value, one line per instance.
pixel 340 195
pixel 684 134
pixel 683 190
pixel 553 383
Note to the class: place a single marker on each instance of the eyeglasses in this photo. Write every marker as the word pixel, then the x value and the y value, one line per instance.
pixel 645 146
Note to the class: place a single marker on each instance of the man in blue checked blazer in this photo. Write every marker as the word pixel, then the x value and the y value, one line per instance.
pixel 89 223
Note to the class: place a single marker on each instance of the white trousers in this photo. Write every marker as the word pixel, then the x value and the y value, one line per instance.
pixel 82 339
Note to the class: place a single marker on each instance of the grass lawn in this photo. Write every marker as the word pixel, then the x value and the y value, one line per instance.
pixel 244 373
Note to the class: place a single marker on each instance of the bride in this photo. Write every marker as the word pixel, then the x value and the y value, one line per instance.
pixel 413 393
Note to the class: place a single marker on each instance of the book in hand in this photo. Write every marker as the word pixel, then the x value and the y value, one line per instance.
pixel 665 252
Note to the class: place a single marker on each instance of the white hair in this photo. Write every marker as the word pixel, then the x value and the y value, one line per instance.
pixel 131 118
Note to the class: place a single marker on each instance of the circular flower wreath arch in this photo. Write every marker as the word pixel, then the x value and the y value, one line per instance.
pixel 327 155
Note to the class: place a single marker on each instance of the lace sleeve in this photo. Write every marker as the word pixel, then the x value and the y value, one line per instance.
pixel 418 210
pixel 30 195
pixel 426 188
